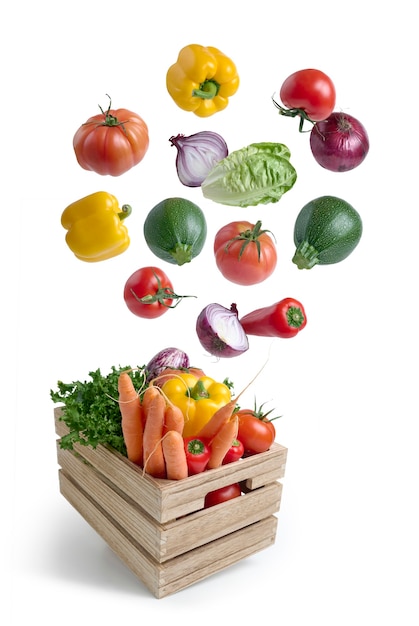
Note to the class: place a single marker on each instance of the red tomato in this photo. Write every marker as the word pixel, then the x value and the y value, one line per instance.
pixel 148 292
pixel 244 253
pixel 256 431
pixel 222 495
pixel 111 142
pixel 310 90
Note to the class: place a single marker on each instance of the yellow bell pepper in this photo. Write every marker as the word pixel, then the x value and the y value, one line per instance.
pixel 202 80
pixel 95 229
pixel 198 399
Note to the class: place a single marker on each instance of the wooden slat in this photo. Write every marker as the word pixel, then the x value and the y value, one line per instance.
pixel 166 578
pixel 164 541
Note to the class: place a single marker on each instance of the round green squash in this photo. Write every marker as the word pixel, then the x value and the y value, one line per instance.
pixel 175 230
pixel 326 231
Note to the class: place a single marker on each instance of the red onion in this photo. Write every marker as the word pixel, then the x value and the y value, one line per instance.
pixel 339 143
pixel 197 155
pixel 169 357
pixel 220 331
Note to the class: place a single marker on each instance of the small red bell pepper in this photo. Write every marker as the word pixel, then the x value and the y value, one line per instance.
pixel 235 452
pixel 285 319
pixel 197 454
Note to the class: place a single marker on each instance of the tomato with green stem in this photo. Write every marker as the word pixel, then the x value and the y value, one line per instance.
pixel 308 94
pixel 256 431
pixel 111 142
pixel 245 254
pixel 148 293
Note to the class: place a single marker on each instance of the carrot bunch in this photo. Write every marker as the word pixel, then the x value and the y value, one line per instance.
pixel 152 430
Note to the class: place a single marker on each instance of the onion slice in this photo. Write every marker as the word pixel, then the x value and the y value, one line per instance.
pixel 197 155
pixel 220 331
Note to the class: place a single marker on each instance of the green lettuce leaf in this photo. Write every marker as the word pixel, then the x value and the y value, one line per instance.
pixel 257 174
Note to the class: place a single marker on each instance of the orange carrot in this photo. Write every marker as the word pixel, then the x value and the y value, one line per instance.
pixel 217 421
pixel 148 395
pixel 223 414
pixel 222 441
pixel 131 414
pixel 174 455
pixel 153 433
pixel 173 419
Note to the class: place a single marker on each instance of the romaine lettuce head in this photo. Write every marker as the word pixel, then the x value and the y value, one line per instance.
pixel 257 174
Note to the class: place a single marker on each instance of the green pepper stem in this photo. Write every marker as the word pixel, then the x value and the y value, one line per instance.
pixel 295 317
pixel 125 212
pixel 207 90
pixel 198 391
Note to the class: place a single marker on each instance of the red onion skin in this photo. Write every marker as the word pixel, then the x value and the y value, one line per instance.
pixel 340 143
pixel 168 357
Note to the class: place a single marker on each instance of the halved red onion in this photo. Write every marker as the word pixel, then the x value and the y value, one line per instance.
pixel 197 155
pixel 220 331
pixel 339 143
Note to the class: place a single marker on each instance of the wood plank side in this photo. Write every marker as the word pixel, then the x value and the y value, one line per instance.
pixel 137 523
pixel 218 555
pixel 182 571
pixel 166 541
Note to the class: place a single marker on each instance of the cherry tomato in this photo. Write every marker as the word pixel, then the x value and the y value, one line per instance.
pixel 222 495
pixel 111 142
pixel 244 253
pixel 311 91
pixel 235 452
pixel 149 293
pixel 256 431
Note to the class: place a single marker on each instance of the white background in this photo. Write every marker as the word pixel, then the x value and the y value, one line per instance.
pixel 347 548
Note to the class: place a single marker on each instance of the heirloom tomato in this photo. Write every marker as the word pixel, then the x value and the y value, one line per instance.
pixel 111 142
pixel 244 253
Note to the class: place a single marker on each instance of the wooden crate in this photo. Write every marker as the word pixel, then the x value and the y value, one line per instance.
pixel 159 528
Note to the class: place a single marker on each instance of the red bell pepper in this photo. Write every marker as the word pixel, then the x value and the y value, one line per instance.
pixel 235 452
pixel 197 454
pixel 283 319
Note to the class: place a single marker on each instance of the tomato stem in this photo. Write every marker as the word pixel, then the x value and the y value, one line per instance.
pixel 160 295
pixel 251 235
pixel 110 120
pixel 294 113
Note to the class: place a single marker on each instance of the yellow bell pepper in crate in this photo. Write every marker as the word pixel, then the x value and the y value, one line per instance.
pixel 198 399
pixel 202 80
pixel 95 228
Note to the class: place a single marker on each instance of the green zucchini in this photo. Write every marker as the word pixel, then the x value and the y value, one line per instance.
pixel 326 231
pixel 175 230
